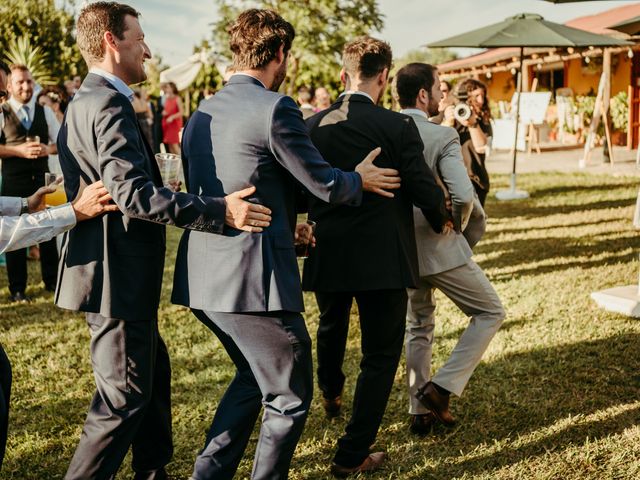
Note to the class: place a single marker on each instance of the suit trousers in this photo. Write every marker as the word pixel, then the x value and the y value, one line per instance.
pixel 272 355
pixel 5 394
pixel 382 325
pixel 469 288
pixel 131 406
pixel 17 266
pixel 23 186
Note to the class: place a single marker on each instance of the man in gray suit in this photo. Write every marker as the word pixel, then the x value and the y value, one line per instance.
pixel 445 263
pixel 246 288
pixel 112 266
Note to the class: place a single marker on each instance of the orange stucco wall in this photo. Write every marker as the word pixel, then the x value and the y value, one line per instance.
pixel 581 80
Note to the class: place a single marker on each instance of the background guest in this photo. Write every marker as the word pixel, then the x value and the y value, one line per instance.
pixel 304 100
pixel 322 99
pixel 24 163
pixel 171 118
pixel 143 113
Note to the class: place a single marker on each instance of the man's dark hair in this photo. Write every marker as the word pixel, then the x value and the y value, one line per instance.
pixel 469 85
pixel 94 21
pixel 256 37
pixel 4 67
pixel 410 79
pixel 366 57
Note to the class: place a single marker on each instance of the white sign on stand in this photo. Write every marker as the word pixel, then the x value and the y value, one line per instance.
pixel 533 107
pixel 504 130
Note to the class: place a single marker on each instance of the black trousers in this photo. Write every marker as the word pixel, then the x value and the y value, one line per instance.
pixel 272 355
pixel 131 406
pixel 5 393
pixel 382 325
pixel 23 186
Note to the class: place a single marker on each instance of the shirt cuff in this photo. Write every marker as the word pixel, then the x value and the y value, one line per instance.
pixel 63 215
pixel 10 206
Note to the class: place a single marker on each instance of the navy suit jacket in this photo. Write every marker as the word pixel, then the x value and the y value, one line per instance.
pixel 113 264
pixel 247 135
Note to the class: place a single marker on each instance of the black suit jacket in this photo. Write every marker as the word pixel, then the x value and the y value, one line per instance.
pixel 370 247
pixel 113 264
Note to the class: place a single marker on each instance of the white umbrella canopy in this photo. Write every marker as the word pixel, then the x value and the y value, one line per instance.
pixel 185 73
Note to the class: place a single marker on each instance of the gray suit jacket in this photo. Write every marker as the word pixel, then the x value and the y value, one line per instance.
pixel 437 252
pixel 113 264
pixel 247 135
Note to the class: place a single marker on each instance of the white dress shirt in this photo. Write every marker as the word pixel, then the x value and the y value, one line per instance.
pixel 20 231
pixel 356 92
pixel 414 111
pixel 53 126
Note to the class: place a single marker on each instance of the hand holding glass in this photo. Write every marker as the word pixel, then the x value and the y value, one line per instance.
pixel 302 248
pixel 169 165
pixel 59 197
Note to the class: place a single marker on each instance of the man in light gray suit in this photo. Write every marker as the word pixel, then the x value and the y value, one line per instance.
pixel 112 266
pixel 445 263
pixel 246 288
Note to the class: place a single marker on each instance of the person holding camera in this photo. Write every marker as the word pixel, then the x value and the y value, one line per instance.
pixel 468 112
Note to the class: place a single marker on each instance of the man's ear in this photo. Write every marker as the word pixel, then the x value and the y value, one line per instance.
pixel 343 76
pixel 280 55
pixel 423 96
pixel 109 40
pixel 383 77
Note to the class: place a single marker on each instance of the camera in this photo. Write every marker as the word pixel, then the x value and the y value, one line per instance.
pixel 462 110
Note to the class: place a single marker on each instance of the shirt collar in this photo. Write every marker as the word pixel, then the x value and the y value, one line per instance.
pixel 357 92
pixel 16 105
pixel 414 111
pixel 114 80
pixel 247 75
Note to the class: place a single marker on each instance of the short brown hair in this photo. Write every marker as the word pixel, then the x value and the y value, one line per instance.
pixel 256 37
pixel 94 21
pixel 410 79
pixel 366 57
pixel 19 67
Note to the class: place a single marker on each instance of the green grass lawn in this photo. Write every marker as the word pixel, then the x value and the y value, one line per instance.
pixel 557 395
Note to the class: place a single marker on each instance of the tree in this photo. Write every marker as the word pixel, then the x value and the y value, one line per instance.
pixel 434 56
pixel 46 27
pixel 322 29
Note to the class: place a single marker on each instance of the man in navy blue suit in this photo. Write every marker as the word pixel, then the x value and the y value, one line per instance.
pixel 245 286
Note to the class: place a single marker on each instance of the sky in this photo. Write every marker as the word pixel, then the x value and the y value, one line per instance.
pixel 173 27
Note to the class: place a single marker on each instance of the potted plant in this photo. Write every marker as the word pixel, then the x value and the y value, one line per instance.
pixel 619 111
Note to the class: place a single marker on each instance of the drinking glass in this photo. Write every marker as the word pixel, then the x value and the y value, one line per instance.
pixel 58 197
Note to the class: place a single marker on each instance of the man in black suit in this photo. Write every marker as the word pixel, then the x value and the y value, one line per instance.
pixel 367 252
pixel 112 266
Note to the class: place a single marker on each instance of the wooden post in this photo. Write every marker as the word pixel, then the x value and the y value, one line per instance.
pixel 630 117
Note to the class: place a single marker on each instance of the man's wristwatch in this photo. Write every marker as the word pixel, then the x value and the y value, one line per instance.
pixel 24 206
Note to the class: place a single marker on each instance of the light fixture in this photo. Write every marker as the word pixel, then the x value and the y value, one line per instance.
pixel 587 59
pixel 630 53
pixel 539 66
pixel 513 70
pixel 488 74
pixel 570 50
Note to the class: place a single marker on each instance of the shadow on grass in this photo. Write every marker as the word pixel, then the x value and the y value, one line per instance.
pixel 560 252
pixel 521 394
pixel 528 208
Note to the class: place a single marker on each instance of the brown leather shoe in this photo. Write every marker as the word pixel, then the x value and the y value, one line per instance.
pixel 332 406
pixel 371 463
pixel 422 424
pixel 437 403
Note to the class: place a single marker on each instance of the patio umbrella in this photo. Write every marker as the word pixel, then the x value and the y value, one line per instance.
pixel 630 26
pixel 526 30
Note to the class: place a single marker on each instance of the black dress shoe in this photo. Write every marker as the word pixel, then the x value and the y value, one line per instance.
pixel 332 406
pixel 19 297
pixel 422 424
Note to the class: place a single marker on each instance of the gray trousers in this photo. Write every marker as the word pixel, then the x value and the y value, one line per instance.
pixel 272 355
pixel 131 406
pixel 469 288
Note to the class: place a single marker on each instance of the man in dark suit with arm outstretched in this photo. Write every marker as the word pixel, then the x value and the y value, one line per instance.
pixel 246 288
pixel 112 266
pixel 366 253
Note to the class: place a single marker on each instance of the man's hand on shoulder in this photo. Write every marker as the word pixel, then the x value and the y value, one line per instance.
pixel 93 201
pixel 377 180
pixel 244 215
